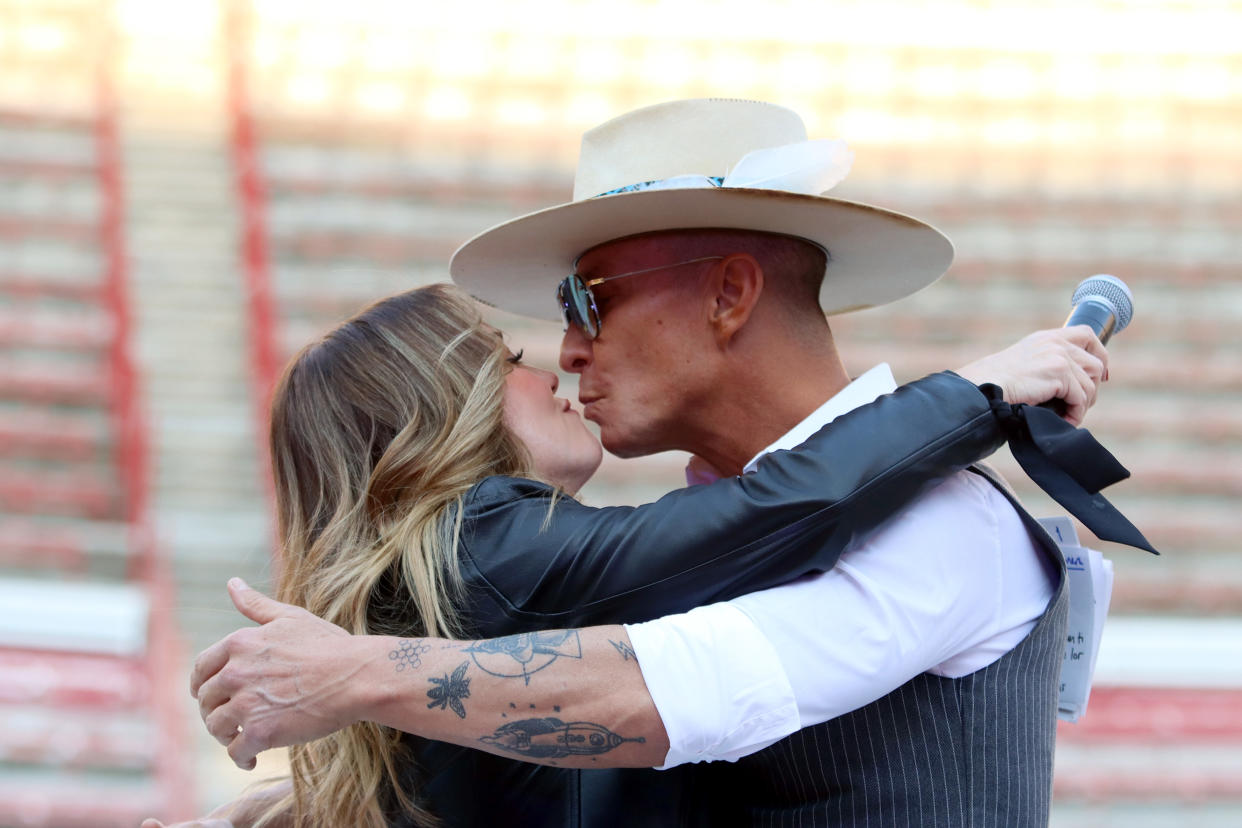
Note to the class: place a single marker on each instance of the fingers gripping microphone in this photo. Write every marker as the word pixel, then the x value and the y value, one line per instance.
pixel 1104 303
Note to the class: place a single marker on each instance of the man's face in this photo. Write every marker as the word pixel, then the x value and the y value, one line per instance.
pixel 642 380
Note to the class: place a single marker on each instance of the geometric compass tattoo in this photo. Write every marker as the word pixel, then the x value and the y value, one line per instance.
pixel 450 690
pixel 524 653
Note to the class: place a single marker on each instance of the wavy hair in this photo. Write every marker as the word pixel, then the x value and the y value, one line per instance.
pixel 377 431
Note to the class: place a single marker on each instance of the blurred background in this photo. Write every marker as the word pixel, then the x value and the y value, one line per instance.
pixel 191 190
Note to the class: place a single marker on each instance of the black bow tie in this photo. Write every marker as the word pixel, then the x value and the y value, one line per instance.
pixel 1067 463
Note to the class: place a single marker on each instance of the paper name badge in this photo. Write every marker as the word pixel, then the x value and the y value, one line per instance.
pixel 1090 584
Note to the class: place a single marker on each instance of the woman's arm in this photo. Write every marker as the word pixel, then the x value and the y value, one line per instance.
pixel 796 514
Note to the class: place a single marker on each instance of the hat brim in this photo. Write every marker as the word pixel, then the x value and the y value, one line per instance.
pixel 877 255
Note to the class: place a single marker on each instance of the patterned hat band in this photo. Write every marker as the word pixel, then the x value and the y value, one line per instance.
pixel 677 182
pixel 806 167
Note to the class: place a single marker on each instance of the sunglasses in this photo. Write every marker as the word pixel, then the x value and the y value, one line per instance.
pixel 577 302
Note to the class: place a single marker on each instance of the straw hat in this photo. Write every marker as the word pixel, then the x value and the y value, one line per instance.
pixel 652 169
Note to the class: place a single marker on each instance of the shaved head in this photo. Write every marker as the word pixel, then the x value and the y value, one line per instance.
pixel 795 267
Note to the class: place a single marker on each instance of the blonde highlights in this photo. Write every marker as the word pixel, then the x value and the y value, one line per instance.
pixel 377 431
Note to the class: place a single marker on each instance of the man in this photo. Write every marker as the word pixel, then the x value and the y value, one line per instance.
pixel 695 325
pixel 717 345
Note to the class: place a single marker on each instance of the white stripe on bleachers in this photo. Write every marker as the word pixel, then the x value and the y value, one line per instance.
pixel 108 619
pixel 1170 652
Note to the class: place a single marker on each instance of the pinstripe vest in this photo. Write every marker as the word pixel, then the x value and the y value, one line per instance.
pixel 972 751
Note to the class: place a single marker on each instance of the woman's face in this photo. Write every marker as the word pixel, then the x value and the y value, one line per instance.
pixel 564 452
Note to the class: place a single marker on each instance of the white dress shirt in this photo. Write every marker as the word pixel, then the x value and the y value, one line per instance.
pixel 948 586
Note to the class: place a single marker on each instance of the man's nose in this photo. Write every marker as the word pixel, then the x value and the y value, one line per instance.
pixel 575 350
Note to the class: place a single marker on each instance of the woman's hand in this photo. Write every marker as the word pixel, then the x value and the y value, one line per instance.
pixel 241 813
pixel 1065 364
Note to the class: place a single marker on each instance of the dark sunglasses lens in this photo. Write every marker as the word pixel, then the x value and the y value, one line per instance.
pixel 578 306
pixel 584 300
pixel 563 302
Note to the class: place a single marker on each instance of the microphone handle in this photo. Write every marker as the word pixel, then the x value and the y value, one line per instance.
pixel 1101 319
pixel 1097 315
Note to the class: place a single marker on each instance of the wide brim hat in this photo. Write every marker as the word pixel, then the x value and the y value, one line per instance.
pixel 709 163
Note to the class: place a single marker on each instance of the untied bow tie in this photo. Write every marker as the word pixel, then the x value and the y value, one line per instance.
pixel 1067 463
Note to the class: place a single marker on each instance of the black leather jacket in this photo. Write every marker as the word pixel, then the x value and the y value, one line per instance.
pixel 586 566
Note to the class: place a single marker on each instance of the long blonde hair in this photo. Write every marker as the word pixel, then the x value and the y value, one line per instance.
pixel 377 431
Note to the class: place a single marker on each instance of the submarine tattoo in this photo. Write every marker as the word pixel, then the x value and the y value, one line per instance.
pixel 551 738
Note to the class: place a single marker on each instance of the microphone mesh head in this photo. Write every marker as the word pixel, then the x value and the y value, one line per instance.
pixel 1111 289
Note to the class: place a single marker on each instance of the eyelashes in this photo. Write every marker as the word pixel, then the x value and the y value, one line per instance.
pixel 516 358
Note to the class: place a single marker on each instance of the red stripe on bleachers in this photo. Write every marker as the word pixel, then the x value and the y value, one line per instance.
pixel 1142 714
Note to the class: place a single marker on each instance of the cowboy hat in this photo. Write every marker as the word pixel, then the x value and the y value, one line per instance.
pixel 707 163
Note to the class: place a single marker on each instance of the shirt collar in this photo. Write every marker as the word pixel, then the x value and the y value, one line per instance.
pixel 867 388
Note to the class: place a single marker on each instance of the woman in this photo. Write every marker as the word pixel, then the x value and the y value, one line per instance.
pixel 424 480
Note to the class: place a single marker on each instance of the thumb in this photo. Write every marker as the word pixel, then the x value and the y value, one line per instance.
pixel 254 604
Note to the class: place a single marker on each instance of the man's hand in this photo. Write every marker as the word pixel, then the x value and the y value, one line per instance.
pixel 286 682
pixel 1060 364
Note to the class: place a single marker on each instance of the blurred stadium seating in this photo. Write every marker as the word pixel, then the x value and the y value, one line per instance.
pixel 89 734
pixel 190 202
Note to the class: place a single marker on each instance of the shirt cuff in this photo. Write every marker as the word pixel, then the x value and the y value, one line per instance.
pixel 717 684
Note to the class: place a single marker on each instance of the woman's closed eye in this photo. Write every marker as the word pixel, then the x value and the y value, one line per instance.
pixel 516 358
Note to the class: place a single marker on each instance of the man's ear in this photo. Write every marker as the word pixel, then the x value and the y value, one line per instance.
pixel 737 284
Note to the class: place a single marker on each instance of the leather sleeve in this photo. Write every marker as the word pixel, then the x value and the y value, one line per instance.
pixel 796 513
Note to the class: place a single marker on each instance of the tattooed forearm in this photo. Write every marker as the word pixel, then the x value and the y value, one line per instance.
pixel 449 691
pixel 551 738
pixel 525 653
pixel 587 710
pixel 626 651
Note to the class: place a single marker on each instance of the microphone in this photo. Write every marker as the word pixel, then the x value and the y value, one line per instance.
pixel 1104 303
